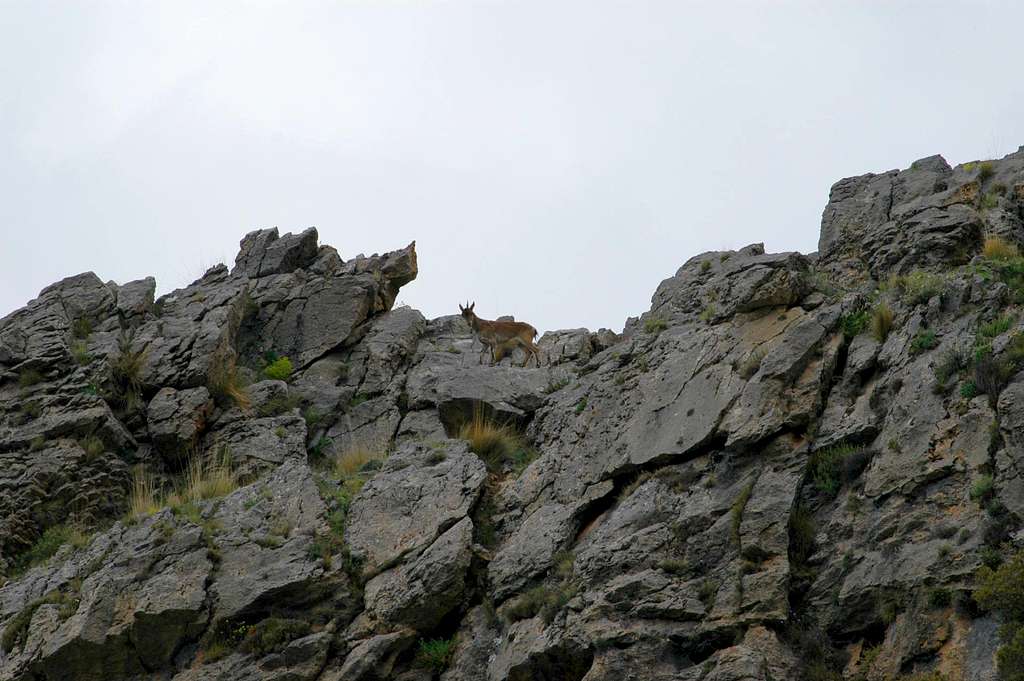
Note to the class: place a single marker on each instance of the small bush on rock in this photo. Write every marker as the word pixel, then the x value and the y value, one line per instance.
pixel 655 325
pixel 435 654
pixel 279 370
pixel 922 342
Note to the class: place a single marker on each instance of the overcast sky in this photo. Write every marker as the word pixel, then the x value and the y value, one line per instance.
pixel 552 160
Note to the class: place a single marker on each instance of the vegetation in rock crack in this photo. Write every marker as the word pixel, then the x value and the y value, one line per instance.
pixel 279 370
pixel 830 466
pixel 28 378
pixel 224 383
pixel 736 512
pixel 17 627
pixel 93 446
pixel 81 328
pixel 881 321
pixel 435 654
pixel 655 325
pixel 205 477
pixel 985 171
pixel 853 323
pixel 998 248
pixel 1001 590
pixel 80 353
pixel 358 457
pixel 48 543
pixel 923 342
pixel 496 444
pixel 124 375
pixel 634 484
pixel 996 327
pixel 279 404
pixel 917 287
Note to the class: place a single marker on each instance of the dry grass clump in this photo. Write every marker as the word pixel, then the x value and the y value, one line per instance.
pixel 355 458
pixel 205 478
pixel 998 248
pixel 210 477
pixel 142 501
pixel 881 322
pixel 495 443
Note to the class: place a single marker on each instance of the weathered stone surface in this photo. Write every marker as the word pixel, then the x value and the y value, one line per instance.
pixel 412 501
pixel 176 418
pixel 421 591
pixel 753 478
pixel 258 444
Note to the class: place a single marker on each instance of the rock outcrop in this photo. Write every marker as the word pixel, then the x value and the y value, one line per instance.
pixel 791 466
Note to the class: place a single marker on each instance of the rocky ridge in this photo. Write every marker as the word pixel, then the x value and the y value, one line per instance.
pixel 749 482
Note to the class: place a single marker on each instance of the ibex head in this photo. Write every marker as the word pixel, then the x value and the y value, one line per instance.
pixel 467 312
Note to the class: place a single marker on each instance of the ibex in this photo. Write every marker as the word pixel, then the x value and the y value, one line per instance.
pixel 498 336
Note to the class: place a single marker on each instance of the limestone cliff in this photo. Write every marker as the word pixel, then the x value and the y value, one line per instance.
pixel 791 466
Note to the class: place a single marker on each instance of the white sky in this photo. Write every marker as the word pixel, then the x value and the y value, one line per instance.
pixel 553 160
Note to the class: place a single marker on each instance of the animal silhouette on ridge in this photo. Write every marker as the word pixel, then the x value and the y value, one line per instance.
pixel 499 336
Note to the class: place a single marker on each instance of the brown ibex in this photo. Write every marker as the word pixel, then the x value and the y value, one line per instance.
pixel 499 336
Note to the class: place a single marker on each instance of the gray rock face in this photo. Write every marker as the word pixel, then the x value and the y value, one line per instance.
pixel 176 418
pixel 419 493
pixel 758 479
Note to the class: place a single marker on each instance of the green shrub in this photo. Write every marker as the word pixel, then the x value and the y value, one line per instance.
pixel 707 591
pixel 279 370
pixel 48 543
pixel 81 328
pixel 968 390
pixel 985 171
pixel 951 363
pixel 581 405
pixel 983 489
pixel 853 323
pixel 826 466
pixel 435 654
pixel 708 313
pixel 920 286
pixel 277 405
pixel 705 265
pixel 939 598
pixel 124 371
pixel 989 200
pixel 991 375
pixel 922 342
pixel 996 327
pixel 655 325
pixel 1001 590
pixel 80 353
pixel 32 409
pixel 881 322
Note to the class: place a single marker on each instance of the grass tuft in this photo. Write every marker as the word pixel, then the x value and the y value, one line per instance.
pixel 496 444
pixel 998 248
pixel 435 654
pixel 881 322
